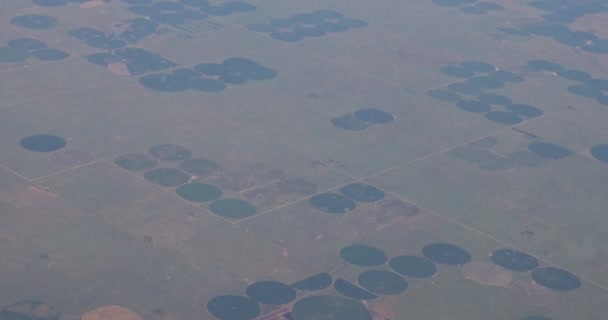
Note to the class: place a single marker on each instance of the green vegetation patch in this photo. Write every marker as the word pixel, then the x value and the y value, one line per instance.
pixel 514 260
pixel 556 279
pixel 29 310
pixel 13 55
pixel 166 177
pixel 444 95
pixel 233 307
pixel 374 116
pixel 26 44
pixel 329 308
pixel 271 292
pixel 413 266
pixel 233 209
pixel 600 152
pixel 170 152
pixel 48 54
pixel 474 106
pixel 314 283
pixel 382 282
pixel 362 192
pixel 136 161
pixel 445 253
pixel 349 122
pixel 199 192
pixel 351 290
pixel 549 150
pixel 332 203
pixel 363 255
pixel 42 143
pixel 200 167
pixel 34 21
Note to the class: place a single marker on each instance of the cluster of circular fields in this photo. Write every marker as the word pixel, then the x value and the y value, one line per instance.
pixel 555 25
pixel 203 181
pixel 362 119
pixel 378 280
pixel 95 38
pixel 470 6
pixel 134 31
pixel 236 70
pixel 125 60
pixel 238 307
pixel 307 24
pixel 209 77
pixel 469 95
pixel 180 176
pixel 34 21
pixel 550 277
pixel 338 203
pixel 316 305
pixel 383 275
pixel 586 86
pixel 537 154
pixel 173 166
pixel 174 13
pixel 136 60
pixel 567 12
pixel 20 49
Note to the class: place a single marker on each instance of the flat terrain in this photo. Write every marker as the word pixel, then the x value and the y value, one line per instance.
pixel 160 154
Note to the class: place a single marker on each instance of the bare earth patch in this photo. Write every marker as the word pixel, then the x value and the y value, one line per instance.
pixel 384 310
pixel 70 157
pixel 487 273
pixel 119 68
pixel 530 293
pixel 111 313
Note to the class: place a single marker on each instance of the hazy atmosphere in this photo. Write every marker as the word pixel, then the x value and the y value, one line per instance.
pixel 303 160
